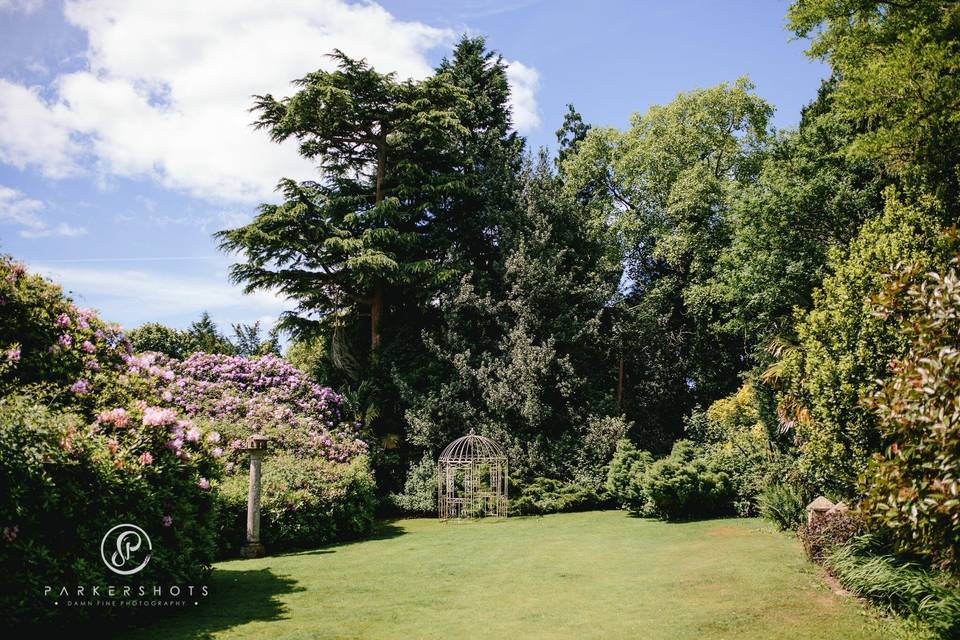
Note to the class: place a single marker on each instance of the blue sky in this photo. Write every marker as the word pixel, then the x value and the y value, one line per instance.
pixel 124 140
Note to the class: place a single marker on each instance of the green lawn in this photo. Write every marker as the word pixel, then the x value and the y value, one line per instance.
pixel 585 575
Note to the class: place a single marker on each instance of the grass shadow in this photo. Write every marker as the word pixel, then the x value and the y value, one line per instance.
pixel 383 530
pixel 236 597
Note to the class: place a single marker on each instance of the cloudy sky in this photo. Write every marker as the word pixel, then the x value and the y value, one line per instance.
pixel 125 139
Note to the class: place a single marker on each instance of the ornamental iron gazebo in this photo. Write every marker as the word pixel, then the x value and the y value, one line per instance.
pixel 472 479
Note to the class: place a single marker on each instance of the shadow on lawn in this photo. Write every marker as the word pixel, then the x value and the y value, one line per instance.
pixel 383 530
pixel 236 597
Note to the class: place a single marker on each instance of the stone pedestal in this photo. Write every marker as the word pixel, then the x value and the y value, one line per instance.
pixel 257 447
pixel 252 550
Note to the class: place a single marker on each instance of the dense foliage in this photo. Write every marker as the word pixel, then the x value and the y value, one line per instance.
pixel 696 315
pixel 912 489
pixel 828 532
pixel 305 502
pixel 843 347
pixel 85 445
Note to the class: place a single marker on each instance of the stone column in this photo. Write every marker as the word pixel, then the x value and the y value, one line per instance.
pixel 256 447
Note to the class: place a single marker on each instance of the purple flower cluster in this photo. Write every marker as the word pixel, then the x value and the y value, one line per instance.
pixel 267 395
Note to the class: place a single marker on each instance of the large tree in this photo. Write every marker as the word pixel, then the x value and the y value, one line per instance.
pixel 898 65
pixel 352 240
pixel 667 183
pixel 521 356
pixel 808 199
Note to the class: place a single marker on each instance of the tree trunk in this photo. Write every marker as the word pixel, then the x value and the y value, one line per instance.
pixel 376 298
pixel 376 314
pixel 620 385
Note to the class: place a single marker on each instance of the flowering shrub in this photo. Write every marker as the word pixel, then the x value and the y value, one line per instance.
pixel 45 339
pixel 85 445
pixel 304 502
pixel 267 396
pixel 154 436
pixel 318 485
pixel 67 481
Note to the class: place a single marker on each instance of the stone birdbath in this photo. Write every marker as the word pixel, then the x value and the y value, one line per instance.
pixel 257 448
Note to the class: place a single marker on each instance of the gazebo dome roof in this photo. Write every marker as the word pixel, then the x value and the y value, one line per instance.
pixel 472 448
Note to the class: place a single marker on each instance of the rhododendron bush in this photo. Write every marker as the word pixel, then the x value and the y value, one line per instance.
pixel 85 446
pixel 267 396
pixel 93 435
pixel 317 482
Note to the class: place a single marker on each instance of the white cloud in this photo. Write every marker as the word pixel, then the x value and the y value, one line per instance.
pixel 19 210
pixel 34 133
pixel 524 82
pixel 23 6
pixel 135 295
pixel 166 89
pixel 168 85
pixel 61 229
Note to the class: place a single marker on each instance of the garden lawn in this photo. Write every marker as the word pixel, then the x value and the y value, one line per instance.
pixel 582 575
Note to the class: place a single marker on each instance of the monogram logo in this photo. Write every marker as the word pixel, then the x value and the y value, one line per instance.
pixel 126 549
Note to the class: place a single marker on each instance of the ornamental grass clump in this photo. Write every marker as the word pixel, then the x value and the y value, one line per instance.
pixel 932 600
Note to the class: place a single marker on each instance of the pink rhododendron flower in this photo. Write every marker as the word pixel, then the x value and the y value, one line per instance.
pixel 80 387
pixel 167 396
pixel 175 445
pixel 13 354
pixel 213 436
pixel 63 320
pixel 65 340
pixel 217 452
pixel 88 347
pixel 10 533
pixel 145 458
pixel 113 446
pixel 116 417
pixel 193 435
pixel 157 416
pixel 203 483
pixel 167 521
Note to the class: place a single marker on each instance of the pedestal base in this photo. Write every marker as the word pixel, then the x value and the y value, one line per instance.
pixel 252 550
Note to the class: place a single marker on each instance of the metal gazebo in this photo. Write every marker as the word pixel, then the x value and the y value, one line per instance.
pixel 472 479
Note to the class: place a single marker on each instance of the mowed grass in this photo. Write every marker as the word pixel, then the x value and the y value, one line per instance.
pixel 584 575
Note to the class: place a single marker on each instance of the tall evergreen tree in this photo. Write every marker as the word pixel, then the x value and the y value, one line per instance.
pixel 360 236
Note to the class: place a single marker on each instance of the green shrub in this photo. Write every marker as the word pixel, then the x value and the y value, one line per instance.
pixel 827 532
pixel 930 599
pixel 783 504
pixel 625 476
pixel 734 439
pixel 420 489
pixel 305 502
pixel 844 347
pixel 66 483
pixel 912 490
pixel 158 338
pixel 683 485
pixel 543 495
